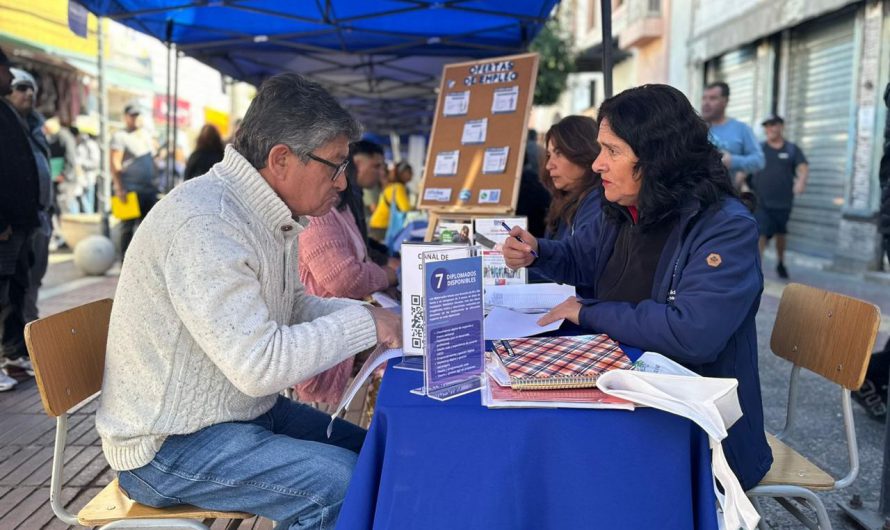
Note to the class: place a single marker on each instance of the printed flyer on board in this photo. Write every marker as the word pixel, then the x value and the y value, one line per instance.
pixel 494 268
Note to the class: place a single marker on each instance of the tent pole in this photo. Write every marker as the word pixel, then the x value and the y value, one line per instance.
pixel 104 155
pixel 172 179
pixel 606 18
pixel 168 133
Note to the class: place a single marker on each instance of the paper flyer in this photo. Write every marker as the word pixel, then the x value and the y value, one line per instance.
pixel 475 132
pixel 495 160
pixel 456 103
pixel 437 194
pixel 504 100
pixel 494 268
pixel 454 232
pixel 446 163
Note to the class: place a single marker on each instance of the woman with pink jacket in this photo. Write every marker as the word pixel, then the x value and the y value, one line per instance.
pixel 334 262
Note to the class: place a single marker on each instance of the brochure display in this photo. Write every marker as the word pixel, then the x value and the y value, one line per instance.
pixel 454 349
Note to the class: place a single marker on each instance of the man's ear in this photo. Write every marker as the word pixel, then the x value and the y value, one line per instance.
pixel 278 160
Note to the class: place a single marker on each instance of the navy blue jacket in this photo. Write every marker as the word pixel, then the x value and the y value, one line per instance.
pixel 572 241
pixel 704 301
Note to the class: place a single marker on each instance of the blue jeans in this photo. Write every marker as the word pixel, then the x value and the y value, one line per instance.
pixel 280 466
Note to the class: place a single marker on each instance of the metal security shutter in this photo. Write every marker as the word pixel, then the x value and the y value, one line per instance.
pixel 738 69
pixel 820 95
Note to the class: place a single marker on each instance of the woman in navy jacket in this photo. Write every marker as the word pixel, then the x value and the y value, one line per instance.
pixel 674 263
pixel 573 185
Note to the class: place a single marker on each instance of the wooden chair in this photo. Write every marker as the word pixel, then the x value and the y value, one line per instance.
pixel 832 335
pixel 68 354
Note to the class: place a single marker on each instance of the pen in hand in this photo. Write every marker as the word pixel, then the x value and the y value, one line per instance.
pixel 507 228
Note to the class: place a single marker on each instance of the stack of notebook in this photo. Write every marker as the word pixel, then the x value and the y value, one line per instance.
pixel 553 372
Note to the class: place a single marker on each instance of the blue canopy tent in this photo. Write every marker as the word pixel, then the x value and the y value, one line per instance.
pixel 381 59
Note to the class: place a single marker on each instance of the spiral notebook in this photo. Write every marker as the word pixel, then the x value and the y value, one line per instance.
pixel 559 362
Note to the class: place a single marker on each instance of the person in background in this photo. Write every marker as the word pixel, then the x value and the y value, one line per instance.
pixel 783 178
pixel 90 158
pixel 884 178
pixel 741 154
pixel 65 166
pixel 534 199
pixel 394 192
pixel 677 267
pixel 369 162
pixel 574 215
pixel 334 263
pixel 366 169
pixel 208 151
pixel 133 170
pixel 23 98
pixel 19 217
pixel 210 322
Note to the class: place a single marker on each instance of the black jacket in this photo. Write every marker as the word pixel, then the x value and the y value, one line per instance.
pixel 18 173
pixel 884 174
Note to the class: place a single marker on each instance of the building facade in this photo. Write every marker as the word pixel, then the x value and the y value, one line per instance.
pixel 822 65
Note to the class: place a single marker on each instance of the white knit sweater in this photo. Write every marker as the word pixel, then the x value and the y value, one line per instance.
pixel 210 320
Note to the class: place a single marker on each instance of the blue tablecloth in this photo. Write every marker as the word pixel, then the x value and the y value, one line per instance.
pixel 458 465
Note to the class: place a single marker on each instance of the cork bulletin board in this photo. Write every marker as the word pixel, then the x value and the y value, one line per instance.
pixel 477 144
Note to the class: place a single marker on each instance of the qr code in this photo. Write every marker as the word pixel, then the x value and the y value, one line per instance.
pixel 416 322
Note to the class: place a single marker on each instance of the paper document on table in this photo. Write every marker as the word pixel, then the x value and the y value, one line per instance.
pixel 656 363
pixel 384 300
pixel 502 323
pixel 378 357
pixel 539 297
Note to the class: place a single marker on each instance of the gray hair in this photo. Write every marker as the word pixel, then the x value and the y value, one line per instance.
pixel 291 110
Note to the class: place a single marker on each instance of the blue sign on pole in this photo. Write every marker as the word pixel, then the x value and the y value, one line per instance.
pixel 455 346
pixel 77 18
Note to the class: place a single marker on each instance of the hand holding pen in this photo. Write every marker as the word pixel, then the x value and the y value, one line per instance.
pixel 520 249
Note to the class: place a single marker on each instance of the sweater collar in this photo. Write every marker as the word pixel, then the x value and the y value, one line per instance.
pixel 256 193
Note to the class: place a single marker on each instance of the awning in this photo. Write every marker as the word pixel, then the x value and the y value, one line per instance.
pixel 382 59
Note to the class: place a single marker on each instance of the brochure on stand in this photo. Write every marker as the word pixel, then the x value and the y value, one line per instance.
pixel 453 343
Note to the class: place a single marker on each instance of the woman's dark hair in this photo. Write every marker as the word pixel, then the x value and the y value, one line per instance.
pixel 676 159
pixel 575 138
pixel 209 139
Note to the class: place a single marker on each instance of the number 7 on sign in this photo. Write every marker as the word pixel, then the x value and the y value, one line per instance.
pixel 439 277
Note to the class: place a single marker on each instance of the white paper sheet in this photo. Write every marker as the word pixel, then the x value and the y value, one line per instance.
pixel 504 99
pixel 385 301
pixel 503 323
pixel 540 297
pixel 456 103
pixel 656 363
pixel 495 160
pixel 475 131
pixel 437 194
pixel 446 163
pixel 377 358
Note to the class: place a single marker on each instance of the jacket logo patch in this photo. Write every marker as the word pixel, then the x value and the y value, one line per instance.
pixel 714 260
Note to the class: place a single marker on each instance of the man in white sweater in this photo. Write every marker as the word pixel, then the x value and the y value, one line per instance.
pixel 210 322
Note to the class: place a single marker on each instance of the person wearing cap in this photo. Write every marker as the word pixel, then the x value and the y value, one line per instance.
pixel 23 98
pixel 776 185
pixel 133 170
pixel 735 140
pixel 19 206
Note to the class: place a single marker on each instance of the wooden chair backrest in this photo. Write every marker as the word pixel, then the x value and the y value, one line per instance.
pixel 828 333
pixel 68 353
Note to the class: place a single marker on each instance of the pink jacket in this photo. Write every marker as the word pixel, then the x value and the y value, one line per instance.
pixel 334 263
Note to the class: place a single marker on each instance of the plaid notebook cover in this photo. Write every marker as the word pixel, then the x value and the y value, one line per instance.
pixel 559 362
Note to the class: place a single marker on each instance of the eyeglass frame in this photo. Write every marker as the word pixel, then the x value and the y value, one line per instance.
pixel 339 169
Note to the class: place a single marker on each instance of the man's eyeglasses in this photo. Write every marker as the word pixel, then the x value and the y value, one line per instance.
pixel 338 168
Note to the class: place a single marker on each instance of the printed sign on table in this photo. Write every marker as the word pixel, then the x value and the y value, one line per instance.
pixel 454 349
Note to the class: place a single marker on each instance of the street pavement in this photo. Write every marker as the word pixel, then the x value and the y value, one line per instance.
pixel 819 436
